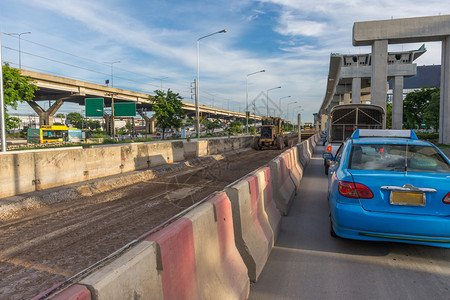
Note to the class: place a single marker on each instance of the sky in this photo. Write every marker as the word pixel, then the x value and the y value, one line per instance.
pixel 153 44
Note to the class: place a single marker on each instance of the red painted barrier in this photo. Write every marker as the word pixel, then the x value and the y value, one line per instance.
pixel 273 215
pixel 74 292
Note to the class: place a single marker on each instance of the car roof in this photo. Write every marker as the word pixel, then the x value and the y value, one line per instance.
pixel 388 140
pixel 386 136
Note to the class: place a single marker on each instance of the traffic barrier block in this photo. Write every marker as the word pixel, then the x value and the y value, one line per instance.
pixel 17 173
pixel 74 292
pixel 253 233
pixel 198 257
pixel 270 208
pixel 101 162
pixel 59 167
pixel 308 149
pixel 134 275
pixel 301 156
pixel 311 148
pixel 305 152
pixel 283 187
pixel 295 173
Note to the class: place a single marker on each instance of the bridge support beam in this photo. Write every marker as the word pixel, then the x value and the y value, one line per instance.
pixel 347 99
pixel 107 123
pixel 356 90
pixel 397 103
pixel 149 123
pixel 379 73
pixel 444 119
pixel 46 117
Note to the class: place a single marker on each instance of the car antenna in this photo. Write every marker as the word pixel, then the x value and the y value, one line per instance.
pixel 406 159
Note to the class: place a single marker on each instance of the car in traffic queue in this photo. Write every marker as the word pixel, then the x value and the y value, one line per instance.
pixel 387 185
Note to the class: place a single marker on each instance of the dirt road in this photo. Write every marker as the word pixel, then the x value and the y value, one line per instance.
pixel 50 244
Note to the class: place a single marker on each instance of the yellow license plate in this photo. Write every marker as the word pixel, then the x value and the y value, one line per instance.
pixel 404 198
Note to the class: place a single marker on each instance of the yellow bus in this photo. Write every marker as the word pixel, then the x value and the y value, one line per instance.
pixel 54 133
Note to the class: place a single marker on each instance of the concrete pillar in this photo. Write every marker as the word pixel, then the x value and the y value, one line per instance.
pixel 444 119
pixel 356 90
pixel 347 98
pixel 397 103
pixel 379 73
pixel 323 122
pixel 46 117
pixel 107 123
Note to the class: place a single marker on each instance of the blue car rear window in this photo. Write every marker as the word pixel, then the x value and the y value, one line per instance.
pixel 397 157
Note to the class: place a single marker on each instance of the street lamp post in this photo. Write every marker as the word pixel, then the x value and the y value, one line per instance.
pixel 161 79
pixel 20 51
pixel 112 71
pixel 267 95
pixel 247 113
pixel 279 102
pixel 197 114
pixel 287 110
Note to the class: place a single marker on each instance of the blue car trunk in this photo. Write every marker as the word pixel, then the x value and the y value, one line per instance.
pixel 386 186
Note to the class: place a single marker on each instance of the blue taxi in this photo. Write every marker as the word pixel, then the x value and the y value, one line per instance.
pixel 387 185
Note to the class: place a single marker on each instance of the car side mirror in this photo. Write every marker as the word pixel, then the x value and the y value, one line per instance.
pixel 328 156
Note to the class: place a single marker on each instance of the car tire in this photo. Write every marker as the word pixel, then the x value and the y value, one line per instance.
pixel 256 143
pixel 280 144
pixel 332 232
pixel 326 169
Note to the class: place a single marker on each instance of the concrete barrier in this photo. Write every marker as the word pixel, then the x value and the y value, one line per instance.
pixel 253 233
pixel 195 257
pixel 134 275
pixel 291 163
pixel 101 162
pixel 74 292
pixel 28 171
pixel 283 186
pixel 198 256
pixel 301 155
pixel 265 189
pixel 17 174
pixel 56 168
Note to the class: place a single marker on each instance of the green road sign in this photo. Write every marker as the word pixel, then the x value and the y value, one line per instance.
pixel 125 109
pixel 94 107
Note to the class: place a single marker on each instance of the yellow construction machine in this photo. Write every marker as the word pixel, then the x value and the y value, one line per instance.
pixel 271 134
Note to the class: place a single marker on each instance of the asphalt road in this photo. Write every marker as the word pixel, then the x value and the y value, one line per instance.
pixel 307 263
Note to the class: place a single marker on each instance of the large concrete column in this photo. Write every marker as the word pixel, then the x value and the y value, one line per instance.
pixel 323 122
pixel 107 123
pixel 397 103
pixel 379 73
pixel 347 98
pixel 444 117
pixel 46 117
pixel 356 90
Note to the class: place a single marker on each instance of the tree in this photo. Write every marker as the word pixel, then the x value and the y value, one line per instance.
pixel 211 125
pixel 234 127
pixel 415 104
pixel 16 89
pixel 76 119
pixel 94 124
pixel 168 110
pixel 389 115
pixel 431 113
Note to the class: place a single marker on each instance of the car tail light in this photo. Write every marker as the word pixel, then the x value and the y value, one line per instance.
pixel 357 190
pixel 329 149
pixel 446 199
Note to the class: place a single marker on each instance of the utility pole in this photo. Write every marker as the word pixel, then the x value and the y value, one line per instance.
pixel 2 107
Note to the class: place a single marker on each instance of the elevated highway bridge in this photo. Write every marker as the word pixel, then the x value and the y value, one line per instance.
pixel 61 89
